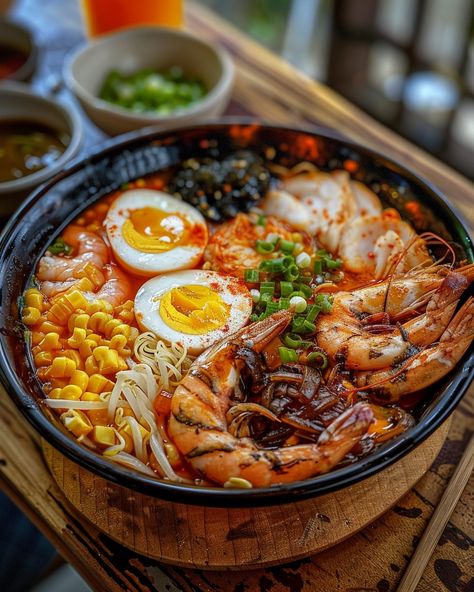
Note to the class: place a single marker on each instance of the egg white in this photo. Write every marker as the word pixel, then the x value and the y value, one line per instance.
pixel 232 291
pixel 150 264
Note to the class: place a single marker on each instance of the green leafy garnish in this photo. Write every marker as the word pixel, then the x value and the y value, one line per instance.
pixel 60 247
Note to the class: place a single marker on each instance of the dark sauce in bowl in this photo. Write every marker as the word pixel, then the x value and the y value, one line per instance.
pixel 11 60
pixel 27 147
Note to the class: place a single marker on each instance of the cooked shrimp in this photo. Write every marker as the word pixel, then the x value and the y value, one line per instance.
pixel 348 332
pixel 427 366
pixel 89 248
pixel 371 243
pixel 117 287
pixel 329 203
pixel 199 429
pixel 231 249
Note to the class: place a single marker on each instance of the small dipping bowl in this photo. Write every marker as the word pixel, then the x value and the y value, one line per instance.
pixel 19 103
pixel 15 36
pixel 156 48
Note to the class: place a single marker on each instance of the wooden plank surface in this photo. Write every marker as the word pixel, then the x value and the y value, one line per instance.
pixel 372 560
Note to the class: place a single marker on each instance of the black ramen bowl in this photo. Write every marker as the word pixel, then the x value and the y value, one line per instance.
pixel 49 209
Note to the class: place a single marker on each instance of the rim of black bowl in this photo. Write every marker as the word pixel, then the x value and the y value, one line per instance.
pixel 383 457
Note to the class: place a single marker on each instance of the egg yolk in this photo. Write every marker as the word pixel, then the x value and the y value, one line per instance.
pixel 193 309
pixel 150 230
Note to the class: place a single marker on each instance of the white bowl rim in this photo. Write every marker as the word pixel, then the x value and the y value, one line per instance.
pixel 224 82
pixel 76 132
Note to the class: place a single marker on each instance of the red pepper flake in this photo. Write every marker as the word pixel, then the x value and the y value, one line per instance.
pixel 351 166
pixel 371 255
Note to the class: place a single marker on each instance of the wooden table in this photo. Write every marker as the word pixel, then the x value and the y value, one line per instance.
pixel 374 559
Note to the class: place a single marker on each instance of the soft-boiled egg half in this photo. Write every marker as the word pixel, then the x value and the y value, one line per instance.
pixel 193 307
pixel 151 232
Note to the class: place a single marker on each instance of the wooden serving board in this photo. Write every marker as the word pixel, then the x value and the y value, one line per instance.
pixel 242 538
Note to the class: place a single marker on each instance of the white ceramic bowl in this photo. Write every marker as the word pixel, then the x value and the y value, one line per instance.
pixel 20 38
pixel 138 48
pixel 19 102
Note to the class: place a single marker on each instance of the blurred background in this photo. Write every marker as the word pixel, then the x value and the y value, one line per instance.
pixel 409 63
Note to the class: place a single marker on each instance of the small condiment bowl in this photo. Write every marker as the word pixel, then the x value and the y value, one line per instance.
pixel 158 48
pixel 19 103
pixel 15 36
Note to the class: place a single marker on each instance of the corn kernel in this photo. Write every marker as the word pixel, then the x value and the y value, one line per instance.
pixel 103 435
pixel 237 483
pixel 43 358
pixel 96 416
pixel 122 365
pixel 30 315
pixel 118 342
pixel 50 342
pixel 78 336
pixel 76 299
pixel 76 422
pixel 99 384
pixel 75 356
pixel 94 336
pixel 72 392
pixel 49 327
pixel 134 333
pixel 59 312
pixel 81 379
pixel 80 321
pixel 128 440
pixel 55 393
pixel 93 274
pixel 36 337
pixel 62 367
pixel 121 329
pixel 86 348
pixel 110 326
pixel 172 454
pixel 56 382
pixel 126 316
pixel 107 358
pixel 34 298
pixel 98 321
pixel 106 306
pixel 84 285
pixel 91 366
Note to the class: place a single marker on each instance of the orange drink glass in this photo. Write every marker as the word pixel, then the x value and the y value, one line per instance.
pixel 102 16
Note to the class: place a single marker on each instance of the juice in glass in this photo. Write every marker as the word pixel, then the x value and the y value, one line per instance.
pixel 102 16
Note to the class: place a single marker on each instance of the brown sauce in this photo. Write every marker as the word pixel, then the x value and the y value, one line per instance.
pixel 11 60
pixel 27 147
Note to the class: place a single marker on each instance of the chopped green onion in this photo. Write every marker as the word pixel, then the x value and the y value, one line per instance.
pixel 255 295
pixel 286 246
pixel 265 297
pixel 313 312
pixel 297 293
pixel 324 301
pixel 286 288
pixel 291 273
pixel 318 267
pixel 264 247
pixel 267 287
pixel 298 249
pixel 299 303
pixel 251 276
pixel 333 263
pixel 253 318
pixel 261 221
pixel 272 237
pixel 287 355
pixel 305 279
pixel 271 308
pixel 59 247
pixel 292 340
pixel 303 260
pixel 318 359
pixel 307 291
